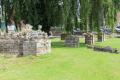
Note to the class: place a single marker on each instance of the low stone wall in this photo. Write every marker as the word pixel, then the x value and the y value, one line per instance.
pixel 36 47
pixel 72 41
pixel 19 44
pixel 9 46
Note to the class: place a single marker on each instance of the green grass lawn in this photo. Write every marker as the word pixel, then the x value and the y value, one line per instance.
pixel 64 64
pixel 115 43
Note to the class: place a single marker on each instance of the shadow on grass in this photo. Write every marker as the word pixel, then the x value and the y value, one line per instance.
pixel 62 45
pixel 58 44
pixel 82 45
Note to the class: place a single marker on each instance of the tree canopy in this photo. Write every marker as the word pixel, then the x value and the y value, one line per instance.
pixel 88 15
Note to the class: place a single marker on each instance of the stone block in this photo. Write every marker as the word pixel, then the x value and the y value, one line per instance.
pixel 72 41
pixel 31 43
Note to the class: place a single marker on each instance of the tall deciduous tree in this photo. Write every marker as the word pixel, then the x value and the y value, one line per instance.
pixel 65 13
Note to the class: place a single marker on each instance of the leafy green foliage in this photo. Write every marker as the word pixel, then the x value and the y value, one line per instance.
pixel 64 13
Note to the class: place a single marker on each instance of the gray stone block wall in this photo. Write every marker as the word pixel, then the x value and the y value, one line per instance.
pixel 29 47
pixel 19 45
pixel 36 47
pixel 72 41
pixel 9 47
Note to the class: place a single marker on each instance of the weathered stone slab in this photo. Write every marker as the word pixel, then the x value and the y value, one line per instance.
pixel 106 49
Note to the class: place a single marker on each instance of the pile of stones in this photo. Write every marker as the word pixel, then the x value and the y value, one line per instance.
pixel 72 41
pixel 25 43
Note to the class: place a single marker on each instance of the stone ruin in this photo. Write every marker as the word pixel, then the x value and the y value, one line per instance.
pixel 104 49
pixel 89 39
pixel 72 41
pixel 25 43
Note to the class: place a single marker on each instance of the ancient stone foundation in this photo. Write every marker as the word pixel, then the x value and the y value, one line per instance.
pixel 72 41
pixel 30 43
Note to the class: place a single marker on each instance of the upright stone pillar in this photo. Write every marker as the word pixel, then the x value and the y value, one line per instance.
pixel 89 39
